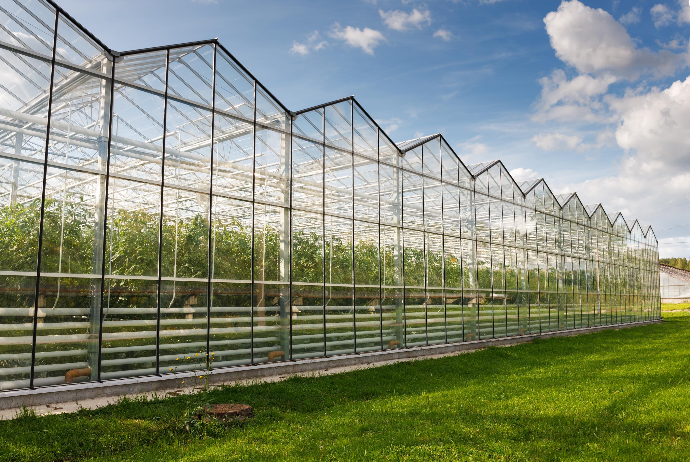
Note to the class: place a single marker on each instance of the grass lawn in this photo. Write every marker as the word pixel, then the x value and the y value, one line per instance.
pixel 614 395
pixel 675 307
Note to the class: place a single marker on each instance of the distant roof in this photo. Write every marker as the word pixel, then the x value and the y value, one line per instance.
pixel 681 274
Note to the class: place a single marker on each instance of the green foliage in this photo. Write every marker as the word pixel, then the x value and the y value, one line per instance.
pixel 680 263
pixel 614 395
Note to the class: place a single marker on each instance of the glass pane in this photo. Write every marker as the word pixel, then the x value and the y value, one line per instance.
pixel 233 157
pixel 234 89
pixel 28 24
pixel 307 175
pixel 272 164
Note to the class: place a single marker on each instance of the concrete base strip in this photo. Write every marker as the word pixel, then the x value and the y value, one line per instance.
pixel 109 391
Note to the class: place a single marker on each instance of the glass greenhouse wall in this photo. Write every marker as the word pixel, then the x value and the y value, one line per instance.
pixel 160 207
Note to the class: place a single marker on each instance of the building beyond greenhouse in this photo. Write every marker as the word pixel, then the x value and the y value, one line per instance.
pixel 160 204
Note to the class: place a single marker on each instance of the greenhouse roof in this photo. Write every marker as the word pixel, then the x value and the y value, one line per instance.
pixel 143 68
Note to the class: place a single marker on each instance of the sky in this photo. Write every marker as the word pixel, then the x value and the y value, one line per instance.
pixel 593 96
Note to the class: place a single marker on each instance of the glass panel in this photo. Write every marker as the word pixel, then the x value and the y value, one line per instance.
pixel 272 167
pixel 187 148
pixel 76 47
pixel 24 88
pixel 271 291
pixel 365 135
pixel 339 293
pixel 390 184
pixel 233 155
pixel 269 112
pixel 339 125
pixel 234 89
pixel 415 297
pixel 366 184
pixel 307 175
pixel 413 200
pixel 309 124
pixel 308 321
pixel 146 69
pixel 130 304
pixel 231 326
pixel 28 24
pixel 433 205
pixel 367 301
pixel 432 158
pixel 338 182
pixel 72 245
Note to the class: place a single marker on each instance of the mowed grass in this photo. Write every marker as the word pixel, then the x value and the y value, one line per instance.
pixel 613 395
pixel 675 307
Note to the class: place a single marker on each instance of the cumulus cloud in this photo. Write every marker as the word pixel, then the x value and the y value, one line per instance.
pixel 593 42
pixel 444 35
pixel 557 142
pixel 566 99
pixel 366 39
pixel 472 150
pixel 684 13
pixel 631 17
pixel 646 123
pixel 661 15
pixel 401 21
pixel 313 43
pixel 523 174
pixel 390 125
pixel 656 168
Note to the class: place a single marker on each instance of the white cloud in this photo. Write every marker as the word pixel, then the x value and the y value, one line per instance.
pixel 592 41
pixel 656 168
pixel 684 13
pixel 631 17
pixel 675 44
pixel 646 123
pixel 523 174
pixel 401 21
pixel 472 150
pixel 557 142
pixel 313 43
pixel 575 99
pixel 366 39
pixel 653 123
pixel 661 15
pixel 390 125
pixel 443 34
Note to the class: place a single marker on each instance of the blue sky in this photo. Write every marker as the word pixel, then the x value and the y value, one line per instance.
pixel 590 95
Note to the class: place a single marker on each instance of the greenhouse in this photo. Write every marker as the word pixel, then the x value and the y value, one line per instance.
pixel 161 211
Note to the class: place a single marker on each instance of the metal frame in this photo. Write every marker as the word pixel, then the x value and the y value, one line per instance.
pixel 590 237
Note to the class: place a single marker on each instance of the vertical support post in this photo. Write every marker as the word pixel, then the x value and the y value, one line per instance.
pixel 323 227
pixel 352 197
pixel 260 303
pixel 43 203
pixel 398 256
pixel 209 263
pixel 109 109
pixel 160 217
pixel 18 141
pixel 285 183
pixel 93 345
